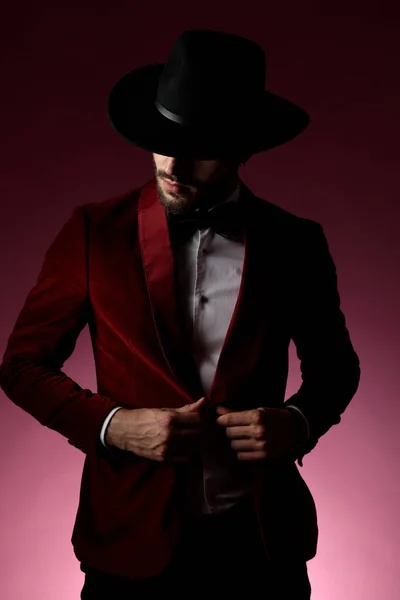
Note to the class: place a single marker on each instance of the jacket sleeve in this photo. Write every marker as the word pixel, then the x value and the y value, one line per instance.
pixel 329 365
pixel 44 336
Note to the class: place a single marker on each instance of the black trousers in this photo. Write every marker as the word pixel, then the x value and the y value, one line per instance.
pixel 219 556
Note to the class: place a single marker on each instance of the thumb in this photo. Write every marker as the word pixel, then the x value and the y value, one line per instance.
pixel 222 410
pixel 194 406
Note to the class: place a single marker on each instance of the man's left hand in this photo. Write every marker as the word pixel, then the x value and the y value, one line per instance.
pixel 259 434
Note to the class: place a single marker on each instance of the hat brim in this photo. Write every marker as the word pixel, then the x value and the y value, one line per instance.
pixel 134 116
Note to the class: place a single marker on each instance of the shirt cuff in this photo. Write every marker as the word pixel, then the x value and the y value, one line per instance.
pixel 105 425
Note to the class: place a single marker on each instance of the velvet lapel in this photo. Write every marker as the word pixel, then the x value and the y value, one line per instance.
pixel 254 305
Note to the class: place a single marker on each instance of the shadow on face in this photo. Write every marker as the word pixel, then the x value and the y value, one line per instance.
pixel 203 181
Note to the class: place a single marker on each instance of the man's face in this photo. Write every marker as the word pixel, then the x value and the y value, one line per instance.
pixel 204 181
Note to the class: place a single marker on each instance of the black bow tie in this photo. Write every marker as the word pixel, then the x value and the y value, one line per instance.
pixel 226 219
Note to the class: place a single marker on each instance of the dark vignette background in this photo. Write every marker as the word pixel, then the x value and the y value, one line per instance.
pixel 340 61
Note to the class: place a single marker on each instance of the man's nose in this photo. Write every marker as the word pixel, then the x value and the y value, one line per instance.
pixel 179 165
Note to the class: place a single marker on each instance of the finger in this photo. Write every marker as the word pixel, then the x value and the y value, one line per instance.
pixel 256 455
pixel 147 453
pixel 222 410
pixel 189 432
pixel 242 417
pixel 194 406
pixel 241 431
pixel 248 445
pixel 181 419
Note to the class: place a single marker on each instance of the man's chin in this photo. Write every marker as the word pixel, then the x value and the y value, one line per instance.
pixel 174 205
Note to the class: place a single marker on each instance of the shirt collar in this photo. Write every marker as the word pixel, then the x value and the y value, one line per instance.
pixel 235 194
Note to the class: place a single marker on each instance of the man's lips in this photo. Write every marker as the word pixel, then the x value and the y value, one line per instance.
pixel 175 187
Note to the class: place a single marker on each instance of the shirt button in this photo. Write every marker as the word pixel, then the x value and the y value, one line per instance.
pixel 203 299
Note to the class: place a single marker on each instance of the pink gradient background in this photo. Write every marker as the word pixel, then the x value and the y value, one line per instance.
pixel 58 151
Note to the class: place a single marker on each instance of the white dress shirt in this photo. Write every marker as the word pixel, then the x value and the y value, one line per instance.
pixel 209 269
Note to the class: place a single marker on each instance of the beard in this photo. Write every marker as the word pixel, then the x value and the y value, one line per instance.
pixel 176 204
pixel 203 196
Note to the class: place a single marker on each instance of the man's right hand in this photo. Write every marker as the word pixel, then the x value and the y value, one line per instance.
pixel 159 433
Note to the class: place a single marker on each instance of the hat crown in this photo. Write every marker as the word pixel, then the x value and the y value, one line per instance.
pixel 210 75
pixel 206 101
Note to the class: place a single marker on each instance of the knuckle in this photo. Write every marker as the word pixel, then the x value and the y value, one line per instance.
pixel 166 428
pixel 166 435
pixel 168 419
pixel 259 431
pixel 259 417
pixel 163 435
pixel 162 452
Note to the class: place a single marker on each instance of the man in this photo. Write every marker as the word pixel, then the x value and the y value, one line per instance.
pixel 192 294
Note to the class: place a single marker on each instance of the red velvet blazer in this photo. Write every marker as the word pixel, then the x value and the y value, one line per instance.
pixel 111 267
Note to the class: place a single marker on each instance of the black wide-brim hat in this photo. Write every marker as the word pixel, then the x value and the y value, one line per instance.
pixel 207 101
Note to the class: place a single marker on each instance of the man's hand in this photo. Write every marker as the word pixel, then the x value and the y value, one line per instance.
pixel 159 433
pixel 259 434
